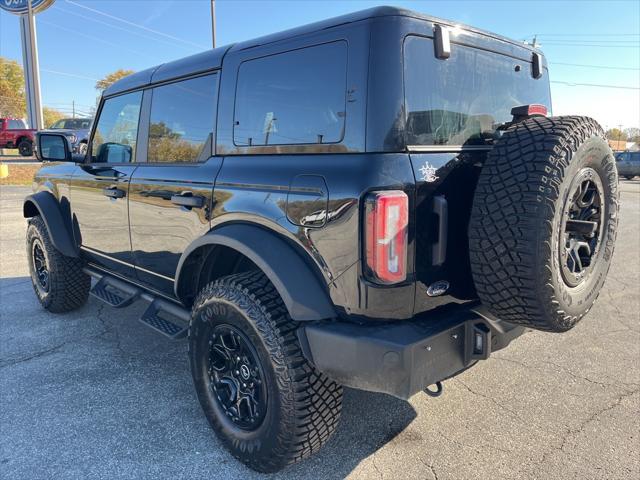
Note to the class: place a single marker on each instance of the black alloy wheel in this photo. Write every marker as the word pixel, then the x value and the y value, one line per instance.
pixel 237 377
pixel 581 231
pixel 39 261
pixel 25 148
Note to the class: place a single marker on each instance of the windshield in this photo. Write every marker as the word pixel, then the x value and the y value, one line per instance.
pixel 72 123
pixel 463 99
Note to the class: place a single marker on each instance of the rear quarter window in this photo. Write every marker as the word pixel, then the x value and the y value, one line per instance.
pixel 296 97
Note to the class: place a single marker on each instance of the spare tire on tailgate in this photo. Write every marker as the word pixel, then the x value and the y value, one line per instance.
pixel 543 224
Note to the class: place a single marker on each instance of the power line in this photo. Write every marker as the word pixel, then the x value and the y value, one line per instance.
pixel 582 34
pixel 586 40
pixel 127 22
pixel 573 84
pixel 91 37
pixel 582 44
pixel 606 67
pixel 68 74
pixel 128 30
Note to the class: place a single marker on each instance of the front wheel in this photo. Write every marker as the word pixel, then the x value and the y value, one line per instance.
pixel 58 281
pixel 25 148
pixel 268 405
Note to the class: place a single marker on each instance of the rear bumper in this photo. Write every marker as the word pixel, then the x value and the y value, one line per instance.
pixel 403 358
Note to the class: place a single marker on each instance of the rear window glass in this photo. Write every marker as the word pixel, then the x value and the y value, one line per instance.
pixel 461 100
pixel 296 97
pixel 16 125
pixel 73 123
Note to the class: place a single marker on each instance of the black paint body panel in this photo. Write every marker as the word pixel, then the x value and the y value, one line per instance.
pixel 309 196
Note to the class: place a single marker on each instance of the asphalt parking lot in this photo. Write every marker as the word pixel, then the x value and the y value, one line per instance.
pixel 96 394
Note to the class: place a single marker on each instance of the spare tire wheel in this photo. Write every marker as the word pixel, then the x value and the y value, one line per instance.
pixel 544 220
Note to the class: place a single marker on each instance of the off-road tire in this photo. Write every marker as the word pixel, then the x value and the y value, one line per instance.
pixel 303 406
pixel 68 286
pixel 25 148
pixel 515 227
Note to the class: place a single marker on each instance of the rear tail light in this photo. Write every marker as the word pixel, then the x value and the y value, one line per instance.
pixel 387 218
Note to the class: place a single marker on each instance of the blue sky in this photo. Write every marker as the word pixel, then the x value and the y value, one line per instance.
pixel 82 40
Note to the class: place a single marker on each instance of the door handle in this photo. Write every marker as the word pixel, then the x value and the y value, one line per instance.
pixel 188 199
pixel 113 192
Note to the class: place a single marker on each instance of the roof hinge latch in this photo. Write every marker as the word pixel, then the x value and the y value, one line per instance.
pixel 441 42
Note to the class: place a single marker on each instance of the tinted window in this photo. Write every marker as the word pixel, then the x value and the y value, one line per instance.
pixel 114 140
pixel 73 123
pixel 16 125
pixel 292 98
pixel 463 99
pixel 182 120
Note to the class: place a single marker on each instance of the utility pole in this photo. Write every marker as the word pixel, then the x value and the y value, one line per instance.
pixel 620 135
pixel 213 23
pixel 73 108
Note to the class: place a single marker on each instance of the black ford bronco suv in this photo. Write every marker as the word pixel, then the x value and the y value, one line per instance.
pixel 376 201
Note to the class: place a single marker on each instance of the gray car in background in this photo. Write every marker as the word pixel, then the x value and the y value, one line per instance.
pixel 76 130
pixel 628 164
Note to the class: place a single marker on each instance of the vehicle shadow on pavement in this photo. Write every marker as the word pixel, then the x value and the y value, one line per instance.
pixel 369 421
pixel 94 392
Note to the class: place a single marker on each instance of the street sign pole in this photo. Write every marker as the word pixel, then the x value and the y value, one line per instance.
pixel 31 68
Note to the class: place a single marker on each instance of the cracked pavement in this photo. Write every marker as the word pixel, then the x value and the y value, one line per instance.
pixel 96 394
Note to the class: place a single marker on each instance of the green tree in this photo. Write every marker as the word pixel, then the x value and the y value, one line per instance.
pixel 111 78
pixel 616 134
pixel 12 92
pixel 51 116
pixel 633 134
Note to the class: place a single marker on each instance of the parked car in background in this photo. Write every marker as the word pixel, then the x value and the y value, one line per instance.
pixel 76 130
pixel 15 134
pixel 628 164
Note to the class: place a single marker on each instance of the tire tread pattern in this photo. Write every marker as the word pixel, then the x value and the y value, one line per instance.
pixel 69 285
pixel 511 224
pixel 311 403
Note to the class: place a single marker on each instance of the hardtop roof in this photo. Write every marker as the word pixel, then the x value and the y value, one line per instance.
pixel 212 59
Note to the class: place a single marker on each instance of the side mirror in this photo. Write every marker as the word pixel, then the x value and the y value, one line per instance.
pixel 53 147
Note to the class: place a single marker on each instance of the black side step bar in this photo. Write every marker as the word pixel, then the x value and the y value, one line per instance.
pixel 115 293
pixel 152 317
pixel 165 317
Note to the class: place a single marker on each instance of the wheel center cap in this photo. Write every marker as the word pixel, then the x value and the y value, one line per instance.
pixel 244 371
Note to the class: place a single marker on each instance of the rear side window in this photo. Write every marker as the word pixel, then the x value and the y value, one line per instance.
pixel 114 140
pixel 182 120
pixel 16 125
pixel 296 97
pixel 463 99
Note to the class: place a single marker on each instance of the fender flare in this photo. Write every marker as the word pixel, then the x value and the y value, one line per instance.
pixel 46 205
pixel 302 292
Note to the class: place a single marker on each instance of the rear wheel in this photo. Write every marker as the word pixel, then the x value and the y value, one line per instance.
pixel 58 281
pixel 544 222
pixel 268 405
pixel 25 148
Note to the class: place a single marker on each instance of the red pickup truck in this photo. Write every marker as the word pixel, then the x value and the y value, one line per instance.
pixel 15 134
